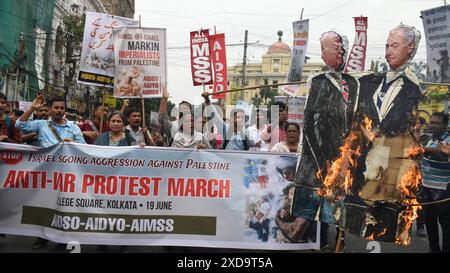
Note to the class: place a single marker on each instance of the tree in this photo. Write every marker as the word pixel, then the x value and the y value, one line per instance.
pixel 420 69
pixel 74 25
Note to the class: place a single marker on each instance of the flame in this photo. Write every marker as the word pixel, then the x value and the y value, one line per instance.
pixel 414 151
pixel 339 174
pixel 339 178
pixel 368 129
pixel 408 187
pixel 373 235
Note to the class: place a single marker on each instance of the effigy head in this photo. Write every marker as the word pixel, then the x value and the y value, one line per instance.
pixel 334 49
pixel 401 46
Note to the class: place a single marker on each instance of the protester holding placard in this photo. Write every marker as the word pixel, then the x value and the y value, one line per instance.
pixel 140 134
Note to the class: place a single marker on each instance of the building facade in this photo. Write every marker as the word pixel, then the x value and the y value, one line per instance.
pixel 273 69
pixel 56 55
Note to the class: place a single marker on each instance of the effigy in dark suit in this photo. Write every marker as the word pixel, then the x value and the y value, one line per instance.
pixel 387 175
pixel 329 114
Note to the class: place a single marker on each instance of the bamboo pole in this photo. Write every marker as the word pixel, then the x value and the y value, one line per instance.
pixel 256 87
pixel 101 117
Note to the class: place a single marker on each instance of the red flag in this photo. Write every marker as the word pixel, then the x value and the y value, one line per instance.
pixel 200 58
pixel 219 60
pixel 357 58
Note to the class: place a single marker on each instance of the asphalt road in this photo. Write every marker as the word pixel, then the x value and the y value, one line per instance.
pixel 22 244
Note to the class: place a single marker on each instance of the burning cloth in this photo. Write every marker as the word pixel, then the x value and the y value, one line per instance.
pixel 382 175
pixel 329 114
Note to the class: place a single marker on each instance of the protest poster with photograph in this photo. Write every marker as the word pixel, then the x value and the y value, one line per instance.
pixel 97 54
pixel 436 23
pixel 140 59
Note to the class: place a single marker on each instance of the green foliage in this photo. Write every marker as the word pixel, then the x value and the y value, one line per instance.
pixel 74 25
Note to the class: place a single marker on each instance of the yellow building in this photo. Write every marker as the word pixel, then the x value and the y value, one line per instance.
pixel 436 100
pixel 272 70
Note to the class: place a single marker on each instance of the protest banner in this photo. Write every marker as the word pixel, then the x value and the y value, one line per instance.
pixel 219 61
pixel 248 109
pixel 296 107
pixel 148 196
pixel 154 120
pixel 436 24
pixel 301 30
pixel 200 58
pixel 140 62
pixel 357 58
pixel 97 54
pixel 24 105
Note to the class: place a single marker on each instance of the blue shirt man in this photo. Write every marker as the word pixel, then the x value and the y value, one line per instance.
pixel 435 184
pixel 53 131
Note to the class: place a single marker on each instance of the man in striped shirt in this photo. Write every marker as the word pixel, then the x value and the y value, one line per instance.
pixel 435 184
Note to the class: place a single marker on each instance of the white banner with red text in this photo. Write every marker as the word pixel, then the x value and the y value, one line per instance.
pixel 148 196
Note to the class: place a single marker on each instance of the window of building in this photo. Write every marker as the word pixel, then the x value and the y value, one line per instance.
pixel 276 64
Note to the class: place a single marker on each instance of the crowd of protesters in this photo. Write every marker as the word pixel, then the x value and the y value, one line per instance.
pixel 203 127
pixel 45 123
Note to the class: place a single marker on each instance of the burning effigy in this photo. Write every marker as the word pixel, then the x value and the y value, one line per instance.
pixel 377 173
pixel 329 114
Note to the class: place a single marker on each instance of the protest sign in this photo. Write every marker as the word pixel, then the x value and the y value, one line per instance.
pixel 200 58
pixel 357 58
pixel 436 24
pixel 301 30
pixel 296 107
pixel 140 57
pixel 147 196
pixel 97 54
pixel 219 60
pixel 24 105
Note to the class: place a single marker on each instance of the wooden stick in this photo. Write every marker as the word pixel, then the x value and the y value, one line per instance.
pixel 256 87
pixel 143 111
pixel 339 240
pixel 101 117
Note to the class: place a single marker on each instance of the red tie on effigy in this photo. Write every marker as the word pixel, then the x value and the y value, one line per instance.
pixel 344 91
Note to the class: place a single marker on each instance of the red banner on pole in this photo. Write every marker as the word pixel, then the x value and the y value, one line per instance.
pixel 219 61
pixel 357 58
pixel 200 58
